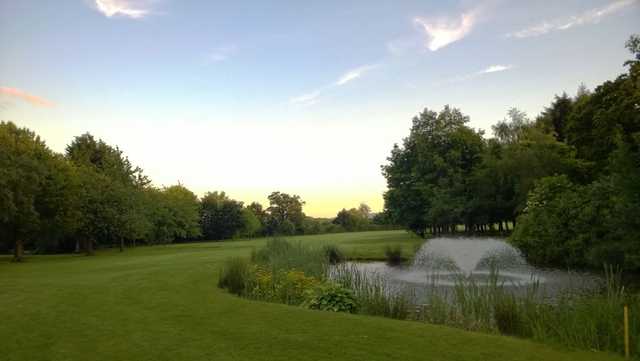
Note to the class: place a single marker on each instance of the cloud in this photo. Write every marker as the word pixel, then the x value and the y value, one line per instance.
pixel 306 99
pixel 351 75
pixel 34 100
pixel 441 32
pixel 592 16
pixel 488 70
pixel 495 69
pixel 354 74
pixel 222 53
pixel 134 9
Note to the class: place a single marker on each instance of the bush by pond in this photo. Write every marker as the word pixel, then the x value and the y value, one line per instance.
pixel 393 255
pixel 298 274
pixel 331 297
pixel 374 294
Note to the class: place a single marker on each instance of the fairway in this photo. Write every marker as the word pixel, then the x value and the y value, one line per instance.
pixel 162 303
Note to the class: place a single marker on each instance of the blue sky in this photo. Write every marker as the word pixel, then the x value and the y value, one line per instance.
pixel 302 97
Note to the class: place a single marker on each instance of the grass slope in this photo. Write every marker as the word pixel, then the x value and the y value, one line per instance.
pixel 161 303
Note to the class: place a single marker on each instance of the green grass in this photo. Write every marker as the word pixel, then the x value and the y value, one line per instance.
pixel 162 303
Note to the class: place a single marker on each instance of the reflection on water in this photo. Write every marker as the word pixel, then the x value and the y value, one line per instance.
pixel 441 261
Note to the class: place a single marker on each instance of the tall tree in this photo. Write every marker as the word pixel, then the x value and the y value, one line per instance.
pixel 428 177
pixel 23 171
pixel 555 117
pixel 285 213
pixel 221 217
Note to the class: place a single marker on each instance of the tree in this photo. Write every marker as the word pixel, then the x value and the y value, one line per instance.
pixel 613 108
pixel 633 45
pixel 428 177
pixel 111 189
pixel 222 217
pixel 85 150
pixel 351 220
pixel 364 210
pixel 592 220
pixel 510 129
pixel 555 117
pixel 183 208
pixel 261 214
pixel 285 213
pixel 251 224
pixel 23 170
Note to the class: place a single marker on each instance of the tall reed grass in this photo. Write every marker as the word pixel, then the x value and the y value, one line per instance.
pixel 374 294
pixel 591 321
pixel 280 255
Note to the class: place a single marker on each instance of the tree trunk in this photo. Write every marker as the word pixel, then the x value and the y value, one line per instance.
pixel 121 244
pixel 18 252
pixel 77 246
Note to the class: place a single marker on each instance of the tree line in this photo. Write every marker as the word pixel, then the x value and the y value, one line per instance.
pixel 568 181
pixel 93 196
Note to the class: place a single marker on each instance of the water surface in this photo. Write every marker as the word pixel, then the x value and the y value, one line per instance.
pixel 442 261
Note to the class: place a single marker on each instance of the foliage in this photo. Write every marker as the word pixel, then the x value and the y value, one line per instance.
pixel 281 255
pixel 427 175
pixel 333 254
pixel 374 296
pixel 567 182
pixel 353 219
pixel 393 255
pixel 221 217
pixel 285 214
pixel 235 275
pixel 25 164
pixel 331 297
pixel 182 205
pixel 251 224
pixel 590 321
pixel 284 286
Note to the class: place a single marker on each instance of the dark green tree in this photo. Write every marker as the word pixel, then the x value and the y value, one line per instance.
pixel 221 217
pixel 285 213
pixel 428 177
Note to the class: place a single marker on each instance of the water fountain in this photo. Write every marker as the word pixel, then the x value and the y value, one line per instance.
pixel 442 261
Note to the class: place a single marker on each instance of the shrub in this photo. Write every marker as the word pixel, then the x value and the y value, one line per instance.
pixel 281 256
pixel 235 275
pixel 287 287
pixel 331 297
pixel 374 295
pixel 333 254
pixel 291 288
pixel 508 315
pixel 393 255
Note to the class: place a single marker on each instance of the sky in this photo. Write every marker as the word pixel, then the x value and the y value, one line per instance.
pixel 308 98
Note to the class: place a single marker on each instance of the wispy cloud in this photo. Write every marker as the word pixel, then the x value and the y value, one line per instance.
pixel 488 70
pixel 441 32
pixel 354 74
pixel 592 16
pixel 495 69
pixel 349 76
pixel 134 9
pixel 306 99
pixel 34 100
pixel 222 53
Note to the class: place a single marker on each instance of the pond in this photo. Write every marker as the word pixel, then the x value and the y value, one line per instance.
pixel 441 263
